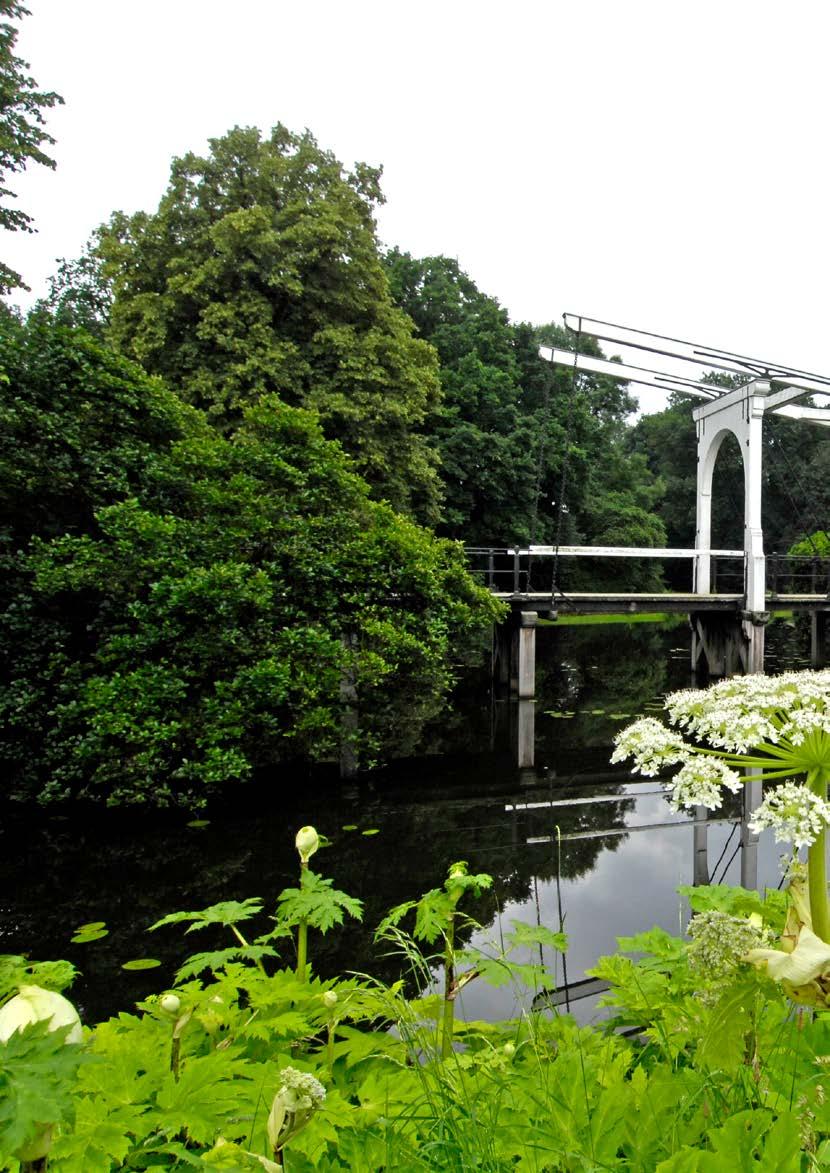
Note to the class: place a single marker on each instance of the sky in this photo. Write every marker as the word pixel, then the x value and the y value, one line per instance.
pixel 657 164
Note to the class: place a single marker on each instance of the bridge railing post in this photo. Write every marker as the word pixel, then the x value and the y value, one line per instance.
pixel 516 571
pixel 773 565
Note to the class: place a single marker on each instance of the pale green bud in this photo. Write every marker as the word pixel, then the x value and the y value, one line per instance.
pixel 330 999
pixel 31 1005
pixel 170 1004
pixel 307 842
pixel 509 1050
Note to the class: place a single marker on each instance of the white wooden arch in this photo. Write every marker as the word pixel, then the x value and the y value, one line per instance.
pixel 741 414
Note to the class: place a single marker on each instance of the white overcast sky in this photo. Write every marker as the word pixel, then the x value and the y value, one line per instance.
pixel 659 164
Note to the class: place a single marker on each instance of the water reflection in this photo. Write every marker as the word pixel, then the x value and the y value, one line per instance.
pixel 572 840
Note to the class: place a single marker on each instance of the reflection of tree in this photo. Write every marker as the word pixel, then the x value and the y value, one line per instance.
pixel 604 675
pixel 128 875
pixel 118 869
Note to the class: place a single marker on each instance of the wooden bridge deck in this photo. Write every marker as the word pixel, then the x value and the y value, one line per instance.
pixel 626 603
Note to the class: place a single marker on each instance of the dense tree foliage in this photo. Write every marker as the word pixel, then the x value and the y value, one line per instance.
pixel 260 274
pixel 22 128
pixel 189 605
pixel 515 434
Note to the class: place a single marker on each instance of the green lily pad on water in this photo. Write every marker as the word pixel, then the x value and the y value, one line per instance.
pixel 84 936
pixel 349 827
pixel 142 963
pixel 371 831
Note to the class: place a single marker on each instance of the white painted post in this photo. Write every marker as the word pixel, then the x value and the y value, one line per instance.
pixel 701 578
pixel 527 655
pixel 753 453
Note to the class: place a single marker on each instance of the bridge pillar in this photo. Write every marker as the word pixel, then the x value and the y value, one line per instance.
pixel 752 798
pixel 725 643
pixel 523 673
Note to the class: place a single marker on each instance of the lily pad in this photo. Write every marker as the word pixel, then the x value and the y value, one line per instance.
pixel 84 935
pixel 142 963
pixel 371 831
pixel 349 827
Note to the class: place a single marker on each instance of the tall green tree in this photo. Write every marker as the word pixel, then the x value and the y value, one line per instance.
pixel 23 132
pixel 184 609
pixel 527 451
pixel 260 274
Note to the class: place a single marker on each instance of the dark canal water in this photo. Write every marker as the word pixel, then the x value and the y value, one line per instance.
pixel 614 872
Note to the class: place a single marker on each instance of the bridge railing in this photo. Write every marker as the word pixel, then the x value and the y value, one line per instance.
pixel 521 570
pixel 797 574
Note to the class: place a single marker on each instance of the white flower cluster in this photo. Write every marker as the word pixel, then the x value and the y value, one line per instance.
pixel 745 711
pixel 699 783
pixel 652 746
pixel 300 1091
pixel 721 941
pixel 795 814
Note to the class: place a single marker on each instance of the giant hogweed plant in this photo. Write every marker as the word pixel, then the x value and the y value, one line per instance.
pixel 252 1064
pixel 776 729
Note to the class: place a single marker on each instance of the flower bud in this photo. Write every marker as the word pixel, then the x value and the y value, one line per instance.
pixel 330 999
pixel 170 1004
pixel 31 1005
pixel 34 1004
pixel 307 842
pixel 509 1049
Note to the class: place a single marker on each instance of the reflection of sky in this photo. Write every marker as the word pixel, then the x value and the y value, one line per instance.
pixel 630 889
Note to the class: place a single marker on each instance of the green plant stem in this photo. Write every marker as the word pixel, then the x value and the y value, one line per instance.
pixel 817 866
pixel 302 949
pixel 448 1019
pixel 330 1047
pixel 302 936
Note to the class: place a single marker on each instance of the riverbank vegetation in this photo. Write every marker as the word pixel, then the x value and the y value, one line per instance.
pixel 250 1062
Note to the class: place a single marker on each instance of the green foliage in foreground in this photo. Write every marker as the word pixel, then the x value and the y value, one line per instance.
pixel 717 1072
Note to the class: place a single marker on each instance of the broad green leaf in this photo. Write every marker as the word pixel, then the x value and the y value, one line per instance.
pixel 227 913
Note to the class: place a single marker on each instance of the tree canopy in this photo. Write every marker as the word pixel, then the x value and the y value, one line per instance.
pixel 260 274
pixel 183 607
pixel 22 129
pixel 513 432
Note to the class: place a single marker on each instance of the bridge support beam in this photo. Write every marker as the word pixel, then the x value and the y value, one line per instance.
pixel 514 666
pixel 724 644
pixel 523 668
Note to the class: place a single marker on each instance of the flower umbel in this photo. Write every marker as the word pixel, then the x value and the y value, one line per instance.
pixel 795 814
pixel 652 746
pixel 698 783
pixel 298 1096
pixel 720 941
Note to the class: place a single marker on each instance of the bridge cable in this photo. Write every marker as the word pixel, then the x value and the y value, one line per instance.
pixel 563 480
